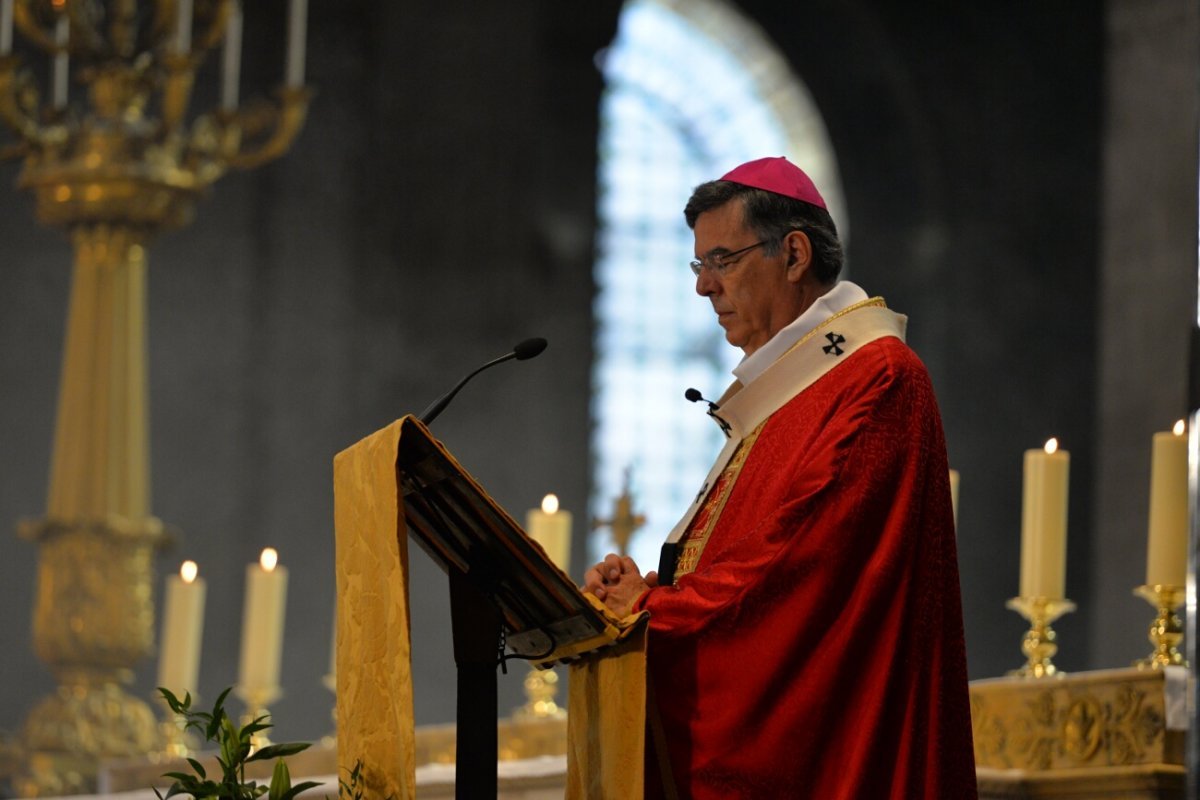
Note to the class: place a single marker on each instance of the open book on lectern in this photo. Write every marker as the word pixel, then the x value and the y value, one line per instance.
pixel 547 619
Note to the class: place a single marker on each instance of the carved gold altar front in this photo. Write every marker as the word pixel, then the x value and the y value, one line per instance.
pixel 1104 734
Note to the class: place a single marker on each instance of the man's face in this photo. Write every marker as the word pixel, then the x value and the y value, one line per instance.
pixel 753 298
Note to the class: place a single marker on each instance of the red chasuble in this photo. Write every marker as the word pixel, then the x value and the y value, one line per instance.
pixel 815 649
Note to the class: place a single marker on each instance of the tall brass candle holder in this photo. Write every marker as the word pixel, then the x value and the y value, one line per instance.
pixel 329 681
pixel 113 166
pixel 1166 632
pixel 256 702
pixel 1039 644
pixel 177 742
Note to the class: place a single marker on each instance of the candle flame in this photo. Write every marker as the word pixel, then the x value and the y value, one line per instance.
pixel 1052 445
pixel 269 559
pixel 550 503
pixel 188 571
pixel 1179 428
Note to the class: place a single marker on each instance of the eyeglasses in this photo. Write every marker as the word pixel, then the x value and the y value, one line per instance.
pixel 720 262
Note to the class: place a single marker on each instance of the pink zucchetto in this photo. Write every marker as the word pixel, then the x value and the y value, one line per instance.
pixel 776 175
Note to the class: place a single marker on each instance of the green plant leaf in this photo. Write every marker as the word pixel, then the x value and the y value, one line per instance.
pixel 251 729
pixel 218 714
pixel 297 789
pixel 281 780
pixel 176 705
pixel 233 746
pixel 279 751
pixel 233 753
pixel 206 789
pixel 255 725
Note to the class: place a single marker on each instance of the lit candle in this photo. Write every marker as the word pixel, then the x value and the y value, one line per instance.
pixel 954 495
pixel 182 625
pixel 297 21
pixel 231 63
pixel 6 27
pixel 551 528
pixel 1044 522
pixel 262 624
pixel 58 77
pixel 1166 558
pixel 183 26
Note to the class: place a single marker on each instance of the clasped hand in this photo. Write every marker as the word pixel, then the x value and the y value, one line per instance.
pixel 617 581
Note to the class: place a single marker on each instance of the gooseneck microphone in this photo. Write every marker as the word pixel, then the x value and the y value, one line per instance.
pixel 694 396
pixel 524 350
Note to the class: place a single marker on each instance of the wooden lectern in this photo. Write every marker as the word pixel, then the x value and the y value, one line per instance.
pixel 505 592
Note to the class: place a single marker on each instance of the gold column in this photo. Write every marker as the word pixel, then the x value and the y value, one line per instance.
pixel 94 615
pixel 100 464
pixel 112 175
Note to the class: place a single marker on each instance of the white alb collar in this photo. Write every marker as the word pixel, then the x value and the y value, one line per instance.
pixel 840 297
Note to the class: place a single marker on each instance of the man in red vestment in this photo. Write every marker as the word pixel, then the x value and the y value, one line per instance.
pixel 805 621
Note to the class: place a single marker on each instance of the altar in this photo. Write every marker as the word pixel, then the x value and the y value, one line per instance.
pixel 1115 733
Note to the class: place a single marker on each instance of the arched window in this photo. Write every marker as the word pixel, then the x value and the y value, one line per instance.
pixel 693 89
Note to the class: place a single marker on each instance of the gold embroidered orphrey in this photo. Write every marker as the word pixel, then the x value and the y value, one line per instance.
pixel 706 518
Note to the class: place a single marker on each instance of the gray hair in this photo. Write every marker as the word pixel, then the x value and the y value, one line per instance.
pixel 773 216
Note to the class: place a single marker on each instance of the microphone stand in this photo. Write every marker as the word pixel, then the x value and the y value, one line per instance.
pixel 525 350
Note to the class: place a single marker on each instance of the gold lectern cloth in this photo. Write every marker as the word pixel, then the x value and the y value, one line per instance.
pixel 374 664
pixel 607 700
pixel 606 718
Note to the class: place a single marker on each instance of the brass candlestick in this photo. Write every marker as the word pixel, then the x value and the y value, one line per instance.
pixel 256 701
pixel 177 742
pixel 1039 645
pixel 330 683
pixel 541 687
pixel 1166 632
pixel 113 166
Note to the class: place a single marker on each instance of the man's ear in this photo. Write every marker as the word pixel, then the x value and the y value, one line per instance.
pixel 798 249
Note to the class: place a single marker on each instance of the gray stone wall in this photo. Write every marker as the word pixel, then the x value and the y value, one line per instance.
pixel 1147 279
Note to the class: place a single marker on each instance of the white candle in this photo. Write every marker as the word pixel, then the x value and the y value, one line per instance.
pixel 262 625
pixel 1044 522
pixel 231 63
pixel 954 478
pixel 1166 557
pixel 297 22
pixel 6 27
pixel 58 78
pixel 182 626
pixel 183 26
pixel 551 528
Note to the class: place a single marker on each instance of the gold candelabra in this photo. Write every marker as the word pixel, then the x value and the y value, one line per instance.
pixel 1039 643
pixel 1166 632
pixel 114 165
